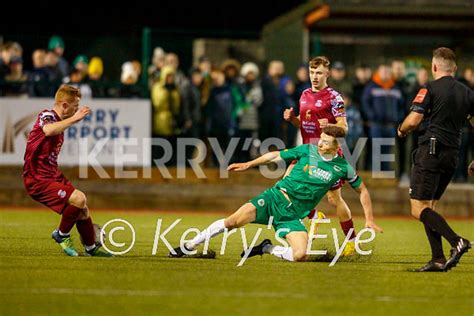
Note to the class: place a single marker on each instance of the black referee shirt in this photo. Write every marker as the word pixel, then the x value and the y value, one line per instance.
pixel 446 104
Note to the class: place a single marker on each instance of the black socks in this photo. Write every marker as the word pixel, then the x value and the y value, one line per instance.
pixel 438 224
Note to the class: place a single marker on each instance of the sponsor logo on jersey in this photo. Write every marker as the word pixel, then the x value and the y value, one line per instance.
pixel 323 175
pixel 319 173
pixel 420 96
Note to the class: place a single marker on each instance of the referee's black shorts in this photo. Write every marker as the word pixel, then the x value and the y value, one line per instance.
pixel 431 174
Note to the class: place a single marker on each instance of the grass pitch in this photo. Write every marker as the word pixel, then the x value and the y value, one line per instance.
pixel 37 278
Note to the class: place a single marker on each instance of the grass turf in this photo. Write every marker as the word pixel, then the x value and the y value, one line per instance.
pixel 37 278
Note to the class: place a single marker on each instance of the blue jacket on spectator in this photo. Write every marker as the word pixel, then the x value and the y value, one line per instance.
pixel 219 109
pixel 382 102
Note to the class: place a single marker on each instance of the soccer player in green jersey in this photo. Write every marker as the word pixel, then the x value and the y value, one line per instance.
pixel 291 199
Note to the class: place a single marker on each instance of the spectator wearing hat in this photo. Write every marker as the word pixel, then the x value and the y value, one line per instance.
pixel 77 79
pixel 78 76
pixel 56 45
pixel 248 120
pixel 338 79
pixel 231 68
pixel 16 80
pixel 166 103
pixel 157 62
pixel 95 72
pixel 129 87
pixel 81 62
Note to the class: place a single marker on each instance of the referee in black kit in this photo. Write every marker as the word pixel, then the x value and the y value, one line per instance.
pixel 440 110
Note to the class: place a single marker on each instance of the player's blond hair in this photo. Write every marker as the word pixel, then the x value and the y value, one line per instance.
pixel 319 60
pixel 445 58
pixel 67 93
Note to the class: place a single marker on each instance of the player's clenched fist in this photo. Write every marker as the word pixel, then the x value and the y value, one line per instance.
pixel 81 113
pixel 289 114
pixel 323 123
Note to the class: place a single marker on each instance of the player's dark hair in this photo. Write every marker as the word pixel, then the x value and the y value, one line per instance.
pixel 334 131
pixel 319 60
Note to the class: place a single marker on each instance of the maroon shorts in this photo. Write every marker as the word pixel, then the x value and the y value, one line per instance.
pixel 53 194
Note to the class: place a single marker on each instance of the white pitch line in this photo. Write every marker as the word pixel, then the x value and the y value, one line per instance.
pixel 151 293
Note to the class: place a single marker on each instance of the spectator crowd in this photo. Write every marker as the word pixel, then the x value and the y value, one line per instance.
pixel 231 99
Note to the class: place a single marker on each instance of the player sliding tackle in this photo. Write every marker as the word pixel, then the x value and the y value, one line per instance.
pixel 291 199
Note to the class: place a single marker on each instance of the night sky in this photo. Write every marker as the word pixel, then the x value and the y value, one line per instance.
pixel 96 18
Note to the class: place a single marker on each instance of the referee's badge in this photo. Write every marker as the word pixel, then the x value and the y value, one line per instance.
pixel 421 95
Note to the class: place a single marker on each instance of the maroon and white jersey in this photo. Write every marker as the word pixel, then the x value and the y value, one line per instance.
pixel 41 155
pixel 324 104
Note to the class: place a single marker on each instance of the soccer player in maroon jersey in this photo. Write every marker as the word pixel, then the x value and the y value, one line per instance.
pixel 46 184
pixel 322 106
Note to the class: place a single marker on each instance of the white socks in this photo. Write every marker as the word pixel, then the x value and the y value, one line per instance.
pixel 285 253
pixel 63 234
pixel 88 248
pixel 214 229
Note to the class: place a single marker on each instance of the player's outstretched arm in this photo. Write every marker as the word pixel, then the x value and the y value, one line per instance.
pixel 273 156
pixel 59 127
pixel 366 202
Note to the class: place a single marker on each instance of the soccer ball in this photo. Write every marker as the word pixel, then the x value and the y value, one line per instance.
pixel 98 231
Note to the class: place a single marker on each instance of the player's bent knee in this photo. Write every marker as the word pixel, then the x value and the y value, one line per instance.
pixel 299 255
pixel 78 199
pixel 334 198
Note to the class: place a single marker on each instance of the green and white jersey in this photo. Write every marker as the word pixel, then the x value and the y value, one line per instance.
pixel 313 176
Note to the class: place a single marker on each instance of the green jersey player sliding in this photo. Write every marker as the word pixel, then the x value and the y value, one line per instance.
pixel 291 199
